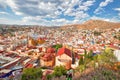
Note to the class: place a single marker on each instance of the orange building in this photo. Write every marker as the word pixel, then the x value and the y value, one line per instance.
pixel 48 60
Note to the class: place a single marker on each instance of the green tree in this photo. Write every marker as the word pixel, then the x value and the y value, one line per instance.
pixel 50 76
pixel 88 57
pixel 96 33
pixel 81 61
pixel 107 57
pixel 31 73
pixel 85 60
pixel 59 71
pixel 57 46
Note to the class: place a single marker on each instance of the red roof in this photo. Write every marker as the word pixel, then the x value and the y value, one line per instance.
pixel 64 51
pixel 47 55
pixel 29 66
pixel 1 51
pixel 40 49
pixel 50 50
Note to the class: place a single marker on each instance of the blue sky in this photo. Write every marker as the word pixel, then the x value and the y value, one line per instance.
pixel 57 12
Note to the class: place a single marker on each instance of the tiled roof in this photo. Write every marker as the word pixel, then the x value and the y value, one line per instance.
pixel 64 51
pixel 50 50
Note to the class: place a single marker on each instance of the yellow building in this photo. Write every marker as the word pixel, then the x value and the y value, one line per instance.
pixel 32 42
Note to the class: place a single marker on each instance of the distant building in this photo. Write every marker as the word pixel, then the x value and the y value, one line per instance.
pixel 31 42
pixel 117 54
pixel 64 57
pixel 47 60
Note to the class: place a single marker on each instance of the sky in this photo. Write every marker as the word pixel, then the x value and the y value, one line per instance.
pixel 57 12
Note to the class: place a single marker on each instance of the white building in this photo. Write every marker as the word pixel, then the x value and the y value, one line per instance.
pixel 117 54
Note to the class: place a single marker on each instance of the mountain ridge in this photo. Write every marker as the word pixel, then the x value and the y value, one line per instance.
pixel 92 24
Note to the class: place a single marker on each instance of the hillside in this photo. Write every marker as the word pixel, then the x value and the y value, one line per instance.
pixel 92 24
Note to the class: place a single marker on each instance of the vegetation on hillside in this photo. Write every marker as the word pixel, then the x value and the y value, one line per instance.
pixel 101 73
pixel 32 74
pixel 103 65
pixel 58 72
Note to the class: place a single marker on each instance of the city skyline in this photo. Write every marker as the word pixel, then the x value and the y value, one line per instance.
pixel 57 12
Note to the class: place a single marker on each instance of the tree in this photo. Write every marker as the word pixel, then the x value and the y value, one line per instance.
pixel 50 76
pixel 81 61
pixel 107 57
pixel 57 46
pixel 96 33
pixel 88 57
pixel 59 71
pixel 31 73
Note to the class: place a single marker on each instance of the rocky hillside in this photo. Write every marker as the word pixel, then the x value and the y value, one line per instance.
pixel 92 24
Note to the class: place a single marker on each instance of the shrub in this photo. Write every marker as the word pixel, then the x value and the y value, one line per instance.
pixel 59 71
pixel 57 46
pixel 50 76
pixel 31 73
pixel 81 61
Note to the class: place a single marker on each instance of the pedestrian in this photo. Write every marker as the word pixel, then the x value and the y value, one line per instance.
pixel 69 74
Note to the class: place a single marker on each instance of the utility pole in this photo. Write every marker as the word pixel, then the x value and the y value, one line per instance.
pixel 73 57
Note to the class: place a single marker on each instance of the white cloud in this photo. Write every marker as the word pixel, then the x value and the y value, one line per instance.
pixel 80 10
pixel 76 21
pixel 89 2
pixel 18 22
pixel 84 6
pixel 99 10
pixel 99 18
pixel 42 21
pixel 81 15
pixel 101 5
pixel 113 19
pixel 60 21
pixel 4 13
pixel 18 13
pixel 38 10
pixel 117 9
pixel 52 10
pixel 3 4
pixel 34 19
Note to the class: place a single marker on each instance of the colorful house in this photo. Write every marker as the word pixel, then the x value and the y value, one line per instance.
pixel 47 60
pixel 65 57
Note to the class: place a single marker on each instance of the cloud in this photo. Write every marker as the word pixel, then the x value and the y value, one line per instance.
pixel 18 22
pixel 117 9
pixel 113 19
pixel 4 13
pixel 34 7
pixel 42 21
pixel 38 10
pixel 60 21
pixel 78 10
pixel 81 15
pixel 3 5
pixel 37 19
pixel 102 5
pixel 99 10
pixel 99 18
pixel 80 6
